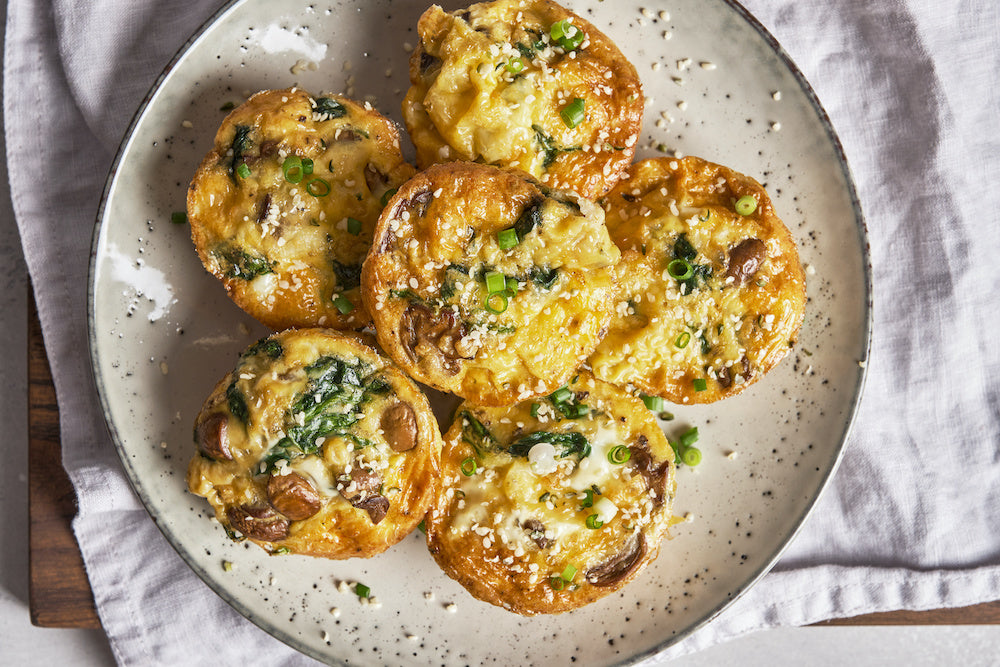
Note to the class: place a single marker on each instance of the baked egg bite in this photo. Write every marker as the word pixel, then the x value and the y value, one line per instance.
pixel 283 207
pixel 524 84
pixel 483 283
pixel 711 291
pixel 316 444
pixel 548 505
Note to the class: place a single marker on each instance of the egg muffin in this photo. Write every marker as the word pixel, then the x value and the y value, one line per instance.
pixel 548 505
pixel 524 84
pixel 711 291
pixel 316 444
pixel 484 283
pixel 283 207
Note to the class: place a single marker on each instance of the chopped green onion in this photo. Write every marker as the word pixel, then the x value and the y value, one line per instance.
pixel 362 591
pixel 619 454
pixel 588 499
pixel 317 187
pixel 469 467
pixel 545 496
pixel 515 65
pixel 682 340
pixel 691 456
pixel 307 166
pixel 594 522
pixel 495 281
pixel 568 573
pixel 178 217
pixel 746 205
pixel 561 395
pixel 228 106
pixel 292 169
pixel 507 238
pixel 567 35
pixel 534 410
pixel 690 436
pixel 496 302
pixel 512 286
pixel 386 196
pixel 573 113
pixel 654 403
pixel 700 384
pixel 353 226
pixel 422 526
pixel 343 304
pixel 243 170
pixel 578 410
pixel 680 269
pixel 557 583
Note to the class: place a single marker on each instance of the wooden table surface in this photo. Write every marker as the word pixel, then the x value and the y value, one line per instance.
pixel 59 593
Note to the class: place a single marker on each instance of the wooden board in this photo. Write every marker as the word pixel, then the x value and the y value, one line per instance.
pixel 58 591
pixel 60 594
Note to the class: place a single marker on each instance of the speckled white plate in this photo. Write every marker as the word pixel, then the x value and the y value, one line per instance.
pixel 163 331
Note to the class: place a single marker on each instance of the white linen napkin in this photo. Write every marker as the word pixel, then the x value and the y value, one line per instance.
pixel 909 520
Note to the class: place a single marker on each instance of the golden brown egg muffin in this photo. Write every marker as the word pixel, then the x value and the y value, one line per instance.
pixel 283 208
pixel 316 444
pixel 711 290
pixel 485 284
pixel 524 84
pixel 549 505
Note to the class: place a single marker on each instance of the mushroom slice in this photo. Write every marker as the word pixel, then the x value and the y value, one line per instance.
pixel 212 435
pixel 613 570
pixel 377 507
pixel 422 333
pixel 655 474
pixel 258 522
pixel 399 425
pixel 363 493
pixel 745 259
pixel 293 495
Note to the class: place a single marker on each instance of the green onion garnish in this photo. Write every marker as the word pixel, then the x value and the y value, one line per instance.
pixel 307 166
pixel 567 35
pixel 512 286
pixel 496 302
pixel 362 591
pixel 690 436
pixel 515 65
pixel 594 522
pixel 691 456
pixel 317 187
pixel 386 196
pixel 178 217
pixel 682 340
pixel 353 226
pixel 343 304
pixel 243 170
pixel 292 169
pixel 588 498
pixel 746 205
pixel 561 395
pixel 568 573
pixel 534 410
pixel 679 269
pixel 495 281
pixel 619 454
pixel 469 467
pixel 578 410
pixel 557 583
pixel 654 403
pixel 506 239
pixel 700 384
pixel 422 526
pixel 572 114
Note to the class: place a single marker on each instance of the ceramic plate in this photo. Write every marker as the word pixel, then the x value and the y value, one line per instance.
pixel 163 331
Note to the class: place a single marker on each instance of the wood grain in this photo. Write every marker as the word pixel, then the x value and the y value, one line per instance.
pixel 59 594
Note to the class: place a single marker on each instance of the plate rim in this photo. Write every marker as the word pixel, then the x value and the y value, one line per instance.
pixel 214 583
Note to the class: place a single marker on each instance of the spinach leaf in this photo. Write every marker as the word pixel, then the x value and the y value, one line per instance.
pixel 240 263
pixel 476 434
pixel 348 275
pixel 269 346
pixel 543 277
pixel 241 144
pixel 530 218
pixel 568 444
pixel 237 403
pixel 332 108
pixel 683 248
pixel 549 147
